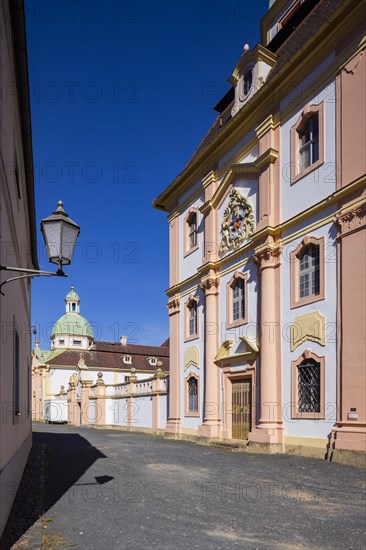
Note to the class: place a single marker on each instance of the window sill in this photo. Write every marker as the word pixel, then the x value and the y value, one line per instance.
pixel 192 415
pixel 235 324
pixel 308 416
pixel 306 301
pixel 307 171
pixel 190 338
pixel 190 251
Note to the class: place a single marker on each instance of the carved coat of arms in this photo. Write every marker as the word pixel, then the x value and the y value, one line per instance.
pixel 238 222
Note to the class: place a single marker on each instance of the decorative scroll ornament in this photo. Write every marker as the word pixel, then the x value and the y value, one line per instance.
pixel 238 223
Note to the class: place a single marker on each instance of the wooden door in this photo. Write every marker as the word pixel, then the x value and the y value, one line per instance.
pixel 241 408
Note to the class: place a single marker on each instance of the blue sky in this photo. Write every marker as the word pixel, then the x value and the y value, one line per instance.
pixel 121 95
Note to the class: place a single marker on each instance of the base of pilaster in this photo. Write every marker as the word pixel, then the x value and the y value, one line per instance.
pixel 348 436
pixel 173 427
pixel 212 428
pixel 271 433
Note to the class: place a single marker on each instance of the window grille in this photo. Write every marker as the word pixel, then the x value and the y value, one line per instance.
pixel 238 300
pixel 309 142
pixel 309 272
pixel 192 395
pixel 309 386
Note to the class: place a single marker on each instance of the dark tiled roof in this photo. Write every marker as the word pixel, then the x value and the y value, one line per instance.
pixel 132 349
pixel 295 41
pixel 110 356
pixel 303 32
pixel 166 344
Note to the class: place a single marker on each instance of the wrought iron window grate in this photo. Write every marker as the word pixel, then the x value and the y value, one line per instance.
pixel 192 395
pixel 309 387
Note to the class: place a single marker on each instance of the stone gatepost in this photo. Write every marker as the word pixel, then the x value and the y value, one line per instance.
pixel 37 403
pixel 131 417
pixel 157 388
pixel 73 405
pixel 85 404
pixel 100 402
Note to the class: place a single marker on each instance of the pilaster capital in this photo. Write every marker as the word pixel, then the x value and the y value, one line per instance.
pixel 350 221
pixel 210 286
pixel 173 305
pixel 269 256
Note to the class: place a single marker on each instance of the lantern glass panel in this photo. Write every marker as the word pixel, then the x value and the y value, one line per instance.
pixel 69 235
pixel 52 234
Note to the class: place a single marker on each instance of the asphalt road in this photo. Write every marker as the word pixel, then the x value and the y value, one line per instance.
pixel 108 489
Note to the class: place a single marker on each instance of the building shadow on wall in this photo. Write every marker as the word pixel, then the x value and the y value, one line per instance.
pixel 56 462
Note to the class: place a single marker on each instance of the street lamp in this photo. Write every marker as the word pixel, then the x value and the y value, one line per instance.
pixel 60 234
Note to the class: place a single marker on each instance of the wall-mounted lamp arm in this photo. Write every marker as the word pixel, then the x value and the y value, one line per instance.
pixel 30 273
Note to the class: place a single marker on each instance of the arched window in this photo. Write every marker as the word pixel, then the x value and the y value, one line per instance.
pixel 192 395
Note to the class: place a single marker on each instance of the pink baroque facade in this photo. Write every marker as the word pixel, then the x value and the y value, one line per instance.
pixel 267 246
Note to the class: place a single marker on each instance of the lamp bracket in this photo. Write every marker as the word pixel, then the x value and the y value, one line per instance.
pixel 30 273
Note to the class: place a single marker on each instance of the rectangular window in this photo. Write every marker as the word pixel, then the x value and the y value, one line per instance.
pixel 193 319
pixel 16 374
pixel 238 300
pixel 77 342
pixel 192 230
pixel 309 142
pixel 309 387
pixel 309 272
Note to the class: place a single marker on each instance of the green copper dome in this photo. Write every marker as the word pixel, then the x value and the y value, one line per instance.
pixel 72 296
pixel 72 324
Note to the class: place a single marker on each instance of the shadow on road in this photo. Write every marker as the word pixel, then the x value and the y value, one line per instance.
pixel 56 462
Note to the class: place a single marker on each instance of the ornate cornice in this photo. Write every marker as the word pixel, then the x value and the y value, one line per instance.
pixel 352 220
pixel 173 305
pixel 270 256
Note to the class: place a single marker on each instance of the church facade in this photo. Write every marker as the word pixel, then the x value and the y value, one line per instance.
pixel 267 245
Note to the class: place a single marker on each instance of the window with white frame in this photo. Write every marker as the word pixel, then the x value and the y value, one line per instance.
pixel 309 272
pixel 127 359
pixel 308 385
pixel 152 361
pixel 192 318
pixel 192 230
pixel 309 142
pixel 238 300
